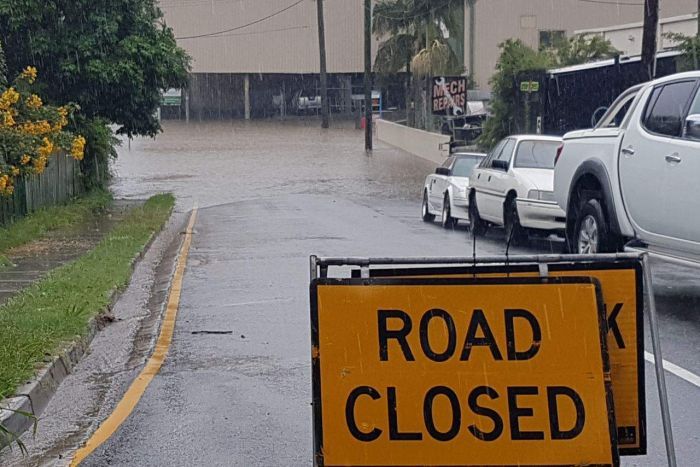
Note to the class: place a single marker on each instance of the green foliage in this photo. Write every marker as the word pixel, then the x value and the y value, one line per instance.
pixel 581 49
pixel 690 48
pixel 101 147
pixel 516 58
pixel 57 309
pixel 112 58
pixel 395 54
pixel 3 68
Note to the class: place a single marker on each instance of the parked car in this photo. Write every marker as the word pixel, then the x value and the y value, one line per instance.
pixel 305 103
pixel 634 176
pixel 512 187
pixel 445 191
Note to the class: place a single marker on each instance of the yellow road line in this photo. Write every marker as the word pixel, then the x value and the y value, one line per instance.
pixel 139 385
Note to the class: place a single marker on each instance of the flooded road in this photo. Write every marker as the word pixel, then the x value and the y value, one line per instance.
pixel 219 162
pixel 271 194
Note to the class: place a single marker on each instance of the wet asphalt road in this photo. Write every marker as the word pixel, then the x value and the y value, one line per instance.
pixel 269 196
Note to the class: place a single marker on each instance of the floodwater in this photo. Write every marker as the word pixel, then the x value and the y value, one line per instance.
pixel 213 163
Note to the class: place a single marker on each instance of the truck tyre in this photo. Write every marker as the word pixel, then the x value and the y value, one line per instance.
pixel 477 226
pixel 447 221
pixel 425 212
pixel 511 224
pixel 592 231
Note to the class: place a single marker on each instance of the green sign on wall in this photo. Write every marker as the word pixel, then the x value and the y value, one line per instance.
pixel 529 86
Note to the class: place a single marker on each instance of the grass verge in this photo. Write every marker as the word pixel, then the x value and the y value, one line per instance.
pixel 57 309
pixel 46 220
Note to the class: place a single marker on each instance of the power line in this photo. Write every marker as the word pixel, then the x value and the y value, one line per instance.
pixel 253 33
pixel 613 2
pixel 260 20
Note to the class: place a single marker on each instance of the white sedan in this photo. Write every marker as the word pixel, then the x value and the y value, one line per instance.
pixel 445 192
pixel 514 187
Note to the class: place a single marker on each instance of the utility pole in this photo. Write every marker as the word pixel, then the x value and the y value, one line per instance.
pixel 698 17
pixel 324 76
pixel 368 75
pixel 472 36
pixel 651 22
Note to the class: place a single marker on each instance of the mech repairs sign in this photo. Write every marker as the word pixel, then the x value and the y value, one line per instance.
pixel 449 95
pixel 461 372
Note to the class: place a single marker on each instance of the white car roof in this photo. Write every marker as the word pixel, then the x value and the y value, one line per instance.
pixel 536 138
pixel 673 77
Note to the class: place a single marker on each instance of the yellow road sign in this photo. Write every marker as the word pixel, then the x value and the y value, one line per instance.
pixel 622 286
pixel 500 371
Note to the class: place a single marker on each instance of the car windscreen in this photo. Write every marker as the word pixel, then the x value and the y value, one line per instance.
pixel 536 154
pixel 464 165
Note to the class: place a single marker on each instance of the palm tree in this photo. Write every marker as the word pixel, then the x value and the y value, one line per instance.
pixel 414 38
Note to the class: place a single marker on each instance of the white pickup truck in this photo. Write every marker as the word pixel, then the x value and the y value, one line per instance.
pixel 635 175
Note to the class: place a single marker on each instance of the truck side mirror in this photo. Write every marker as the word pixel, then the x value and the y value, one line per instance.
pixel 691 130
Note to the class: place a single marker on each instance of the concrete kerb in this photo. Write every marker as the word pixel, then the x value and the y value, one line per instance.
pixel 34 396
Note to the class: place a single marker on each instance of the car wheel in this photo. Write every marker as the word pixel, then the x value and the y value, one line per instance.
pixel 425 212
pixel 515 233
pixel 477 226
pixel 592 233
pixel 447 220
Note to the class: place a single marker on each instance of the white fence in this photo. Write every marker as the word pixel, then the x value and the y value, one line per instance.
pixel 418 142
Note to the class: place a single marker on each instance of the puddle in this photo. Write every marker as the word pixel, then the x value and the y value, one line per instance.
pixel 34 260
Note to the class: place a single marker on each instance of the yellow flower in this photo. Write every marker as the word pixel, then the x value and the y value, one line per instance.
pixel 8 119
pixel 77 149
pixel 40 164
pixel 14 171
pixel 45 150
pixel 62 118
pixel 8 98
pixel 39 128
pixel 29 74
pixel 25 159
pixel 34 102
pixel 6 188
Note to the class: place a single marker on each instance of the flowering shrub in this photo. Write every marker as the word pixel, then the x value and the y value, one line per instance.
pixel 31 132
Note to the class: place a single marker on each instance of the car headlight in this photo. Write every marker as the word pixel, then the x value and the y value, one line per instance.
pixel 541 195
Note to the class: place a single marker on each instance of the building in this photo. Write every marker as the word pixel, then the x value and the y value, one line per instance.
pixel 539 22
pixel 259 58
pixel 256 54
pixel 627 38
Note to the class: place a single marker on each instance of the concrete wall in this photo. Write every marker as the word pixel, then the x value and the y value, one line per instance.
pixel 628 37
pixel 418 142
pixel 498 20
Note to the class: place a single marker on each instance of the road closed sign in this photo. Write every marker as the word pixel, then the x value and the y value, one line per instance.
pixel 622 288
pixel 461 372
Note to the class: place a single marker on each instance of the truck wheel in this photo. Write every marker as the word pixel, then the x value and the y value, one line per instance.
pixel 425 212
pixel 447 221
pixel 477 226
pixel 592 233
pixel 514 231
